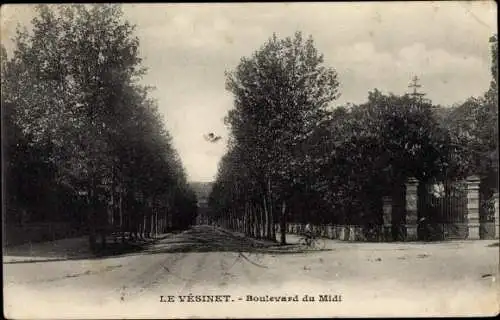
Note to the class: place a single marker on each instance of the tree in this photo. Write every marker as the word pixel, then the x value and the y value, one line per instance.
pixel 473 126
pixel 280 94
pixel 75 103
pixel 492 93
pixel 365 152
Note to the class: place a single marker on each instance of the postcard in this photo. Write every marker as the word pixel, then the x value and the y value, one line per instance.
pixel 250 160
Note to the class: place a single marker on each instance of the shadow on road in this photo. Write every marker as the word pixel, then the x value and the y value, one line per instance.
pixel 211 239
pixel 196 239
pixel 72 249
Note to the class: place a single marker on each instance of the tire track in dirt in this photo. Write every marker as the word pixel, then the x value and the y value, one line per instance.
pixel 170 267
pixel 247 270
pixel 161 270
pixel 151 277
pixel 225 266
pixel 195 274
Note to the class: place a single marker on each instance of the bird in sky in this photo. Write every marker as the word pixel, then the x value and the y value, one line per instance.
pixel 211 137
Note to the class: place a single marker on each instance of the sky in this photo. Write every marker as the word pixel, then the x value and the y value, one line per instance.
pixel 188 47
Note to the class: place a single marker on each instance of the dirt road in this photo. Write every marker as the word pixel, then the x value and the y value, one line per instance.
pixel 241 277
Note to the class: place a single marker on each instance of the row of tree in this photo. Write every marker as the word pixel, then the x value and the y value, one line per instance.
pixel 83 140
pixel 291 157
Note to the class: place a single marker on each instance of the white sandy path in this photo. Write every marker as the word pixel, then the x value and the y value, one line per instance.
pixel 411 279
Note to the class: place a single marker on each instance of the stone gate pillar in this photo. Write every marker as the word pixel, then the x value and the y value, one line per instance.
pixel 473 207
pixel 411 209
pixel 387 218
pixel 497 216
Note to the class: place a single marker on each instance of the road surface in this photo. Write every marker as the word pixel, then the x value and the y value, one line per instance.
pixel 363 279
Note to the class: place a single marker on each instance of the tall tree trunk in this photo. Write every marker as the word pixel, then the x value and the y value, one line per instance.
pixel 120 211
pixel 105 223
pixel 131 219
pixel 253 221
pixel 248 225
pixel 268 222
pixel 257 220
pixel 161 216
pixel 103 228
pixel 165 219
pixel 157 221
pixel 283 223
pixel 263 222
pixel 143 222
pixel 245 218
pixel 271 216
pixel 146 221
pixel 168 218
pixel 91 216
pixel 244 226
pixel 272 235
pixel 233 221
pixel 249 219
pixel 152 225
pixel 265 227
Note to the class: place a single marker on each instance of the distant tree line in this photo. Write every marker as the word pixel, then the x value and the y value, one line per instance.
pixel 82 140
pixel 291 157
